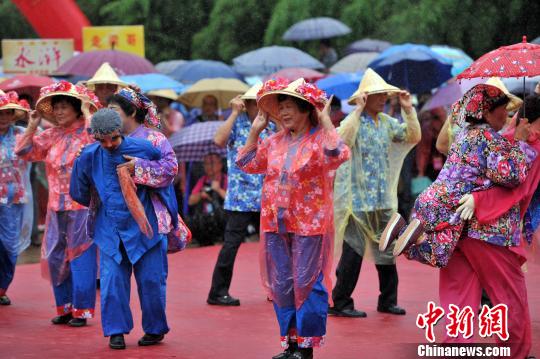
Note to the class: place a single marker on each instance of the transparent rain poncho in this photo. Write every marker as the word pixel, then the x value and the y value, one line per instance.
pixel 365 189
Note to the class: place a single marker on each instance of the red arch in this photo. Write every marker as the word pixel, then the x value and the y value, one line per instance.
pixel 55 19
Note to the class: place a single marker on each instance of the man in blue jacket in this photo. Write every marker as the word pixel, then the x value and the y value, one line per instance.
pixel 123 247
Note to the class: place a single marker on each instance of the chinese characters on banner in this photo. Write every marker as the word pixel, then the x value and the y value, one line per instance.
pixel 124 38
pixel 35 56
pixel 491 321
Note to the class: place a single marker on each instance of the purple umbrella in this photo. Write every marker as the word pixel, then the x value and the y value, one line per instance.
pixel 450 93
pixel 192 143
pixel 124 63
pixel 367 45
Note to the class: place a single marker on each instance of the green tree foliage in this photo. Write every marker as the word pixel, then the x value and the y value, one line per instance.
pixel 14 25
pixel 234 28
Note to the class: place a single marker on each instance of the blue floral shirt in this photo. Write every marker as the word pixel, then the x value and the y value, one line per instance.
pixel 244 190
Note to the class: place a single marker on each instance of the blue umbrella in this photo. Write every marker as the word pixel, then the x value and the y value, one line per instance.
pixel 459 59
pixel 341 85
pixel 150 82
pixel 197 70
pixel 414 67
pixel 367 45
pixel 316 28
pixel 166 67
pixel 267 60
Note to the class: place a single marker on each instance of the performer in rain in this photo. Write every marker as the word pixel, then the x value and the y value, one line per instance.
pixel 68 256
pixel 14 191
pixel 126 230
pixel 297 223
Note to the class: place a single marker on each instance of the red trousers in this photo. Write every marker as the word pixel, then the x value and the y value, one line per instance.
pixel 477 264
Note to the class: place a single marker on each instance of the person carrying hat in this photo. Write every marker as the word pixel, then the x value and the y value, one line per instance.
pixel 105 83
pixel 243 197
pixel 123 247
pixel 297 226
pixel 68 255
pixel 366 189
pixel 14 190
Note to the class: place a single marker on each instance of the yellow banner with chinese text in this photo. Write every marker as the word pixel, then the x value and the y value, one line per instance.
pixel 124 38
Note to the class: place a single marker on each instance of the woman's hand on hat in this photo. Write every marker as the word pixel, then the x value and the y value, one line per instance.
pixel 522 130
pixel 360 102
pixel 237 104
pixel 134 87
pixel 260 122
pixel 130 164
pixel 34 120
pixel 405 101
pixel 324 114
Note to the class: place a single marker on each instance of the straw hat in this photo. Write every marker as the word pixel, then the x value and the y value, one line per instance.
pixel 515 102
pixel 168 94
pixel 372 83
pixel 105 75
pixel 10 101
pixel 267 95
pixel 43 104
pixel 251 94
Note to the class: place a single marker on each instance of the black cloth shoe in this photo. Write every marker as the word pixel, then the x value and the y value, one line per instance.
pixel 150 339
pixel 62 319
pixel 4 300
pixel 293 347
pixel 116 341
pixel 393 309
pixel 226 300
pixel 77 322
pixel 303 353
pixel 347 312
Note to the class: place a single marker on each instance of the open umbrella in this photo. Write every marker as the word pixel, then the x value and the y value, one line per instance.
pixel 536 41
pixel 223 89
pixel 354 62
pixel 316 28
pixel 411 66
pixel 123 63
pixel 27 84
pixel 515 85
pixel 518 60
pixel 192 143
pixel 459 59
pixel 149 82
pixel 294 73
pixel 451 92
pixel 340 85
pixel 267 60
pixel 197 70
pixel 367 45
pixel 166 67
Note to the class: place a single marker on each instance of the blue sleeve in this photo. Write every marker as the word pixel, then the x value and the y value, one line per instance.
pixel 81 179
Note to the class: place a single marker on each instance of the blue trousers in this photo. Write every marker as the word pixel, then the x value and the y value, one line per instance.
pixel 10 230
pixel 77 293
pixel 151 276
pixel 292 260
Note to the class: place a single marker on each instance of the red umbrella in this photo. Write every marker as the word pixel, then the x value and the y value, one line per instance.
pixel 26 84
pixel 294 73
pixel 124 63
pixel 518 60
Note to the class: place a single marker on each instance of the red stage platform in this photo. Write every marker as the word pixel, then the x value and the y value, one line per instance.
pixel 249 331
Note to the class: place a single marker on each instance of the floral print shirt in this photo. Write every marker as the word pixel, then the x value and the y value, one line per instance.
pixel 244 190
pixel 158 173
pixel 58 147
pixel 298 187
pixel 479 158
pixel 12 169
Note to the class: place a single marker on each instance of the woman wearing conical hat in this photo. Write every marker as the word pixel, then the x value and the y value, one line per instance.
pixel 297 223
pixel 105 83
pixel 68 256
pixel 366 189
pixel 14 193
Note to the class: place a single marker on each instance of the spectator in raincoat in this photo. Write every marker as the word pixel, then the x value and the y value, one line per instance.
pixel 68 255
pixel 297 223
pixel 14 191
pixel 366 190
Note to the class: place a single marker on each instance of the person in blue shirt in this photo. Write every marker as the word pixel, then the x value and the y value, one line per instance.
pixel 243 197
pixel 123 247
